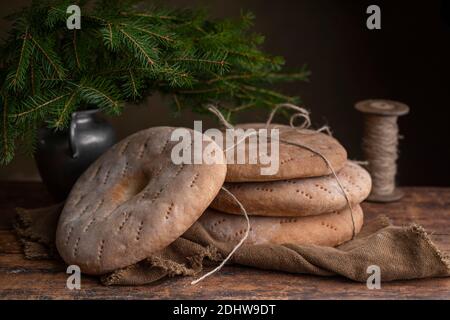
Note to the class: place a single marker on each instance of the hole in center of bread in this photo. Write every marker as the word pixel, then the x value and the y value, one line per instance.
pixel 129 186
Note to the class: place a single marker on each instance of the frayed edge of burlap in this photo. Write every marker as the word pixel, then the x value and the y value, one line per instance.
pixel 443 258
pixel 22 227
pixel 116 276
pixel 170 267
pixel 210 252
pixel 195 263
pixel 36 251
pixel 22 224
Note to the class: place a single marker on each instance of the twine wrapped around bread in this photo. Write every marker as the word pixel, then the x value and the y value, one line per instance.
pixel 304 114
pixel 301 113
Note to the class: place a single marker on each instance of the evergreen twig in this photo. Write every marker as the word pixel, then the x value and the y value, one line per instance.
pixel 122 54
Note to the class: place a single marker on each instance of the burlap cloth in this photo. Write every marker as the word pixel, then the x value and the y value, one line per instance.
pixel 400 252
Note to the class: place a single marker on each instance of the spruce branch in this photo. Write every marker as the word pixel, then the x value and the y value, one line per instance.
pixel 75 49
pixel 139 45
pixel 132 85
pixel 252 57
pixel 160 36
pixel 134 88
pixel 34 105
pixel 108 37
pixel 54 63
pixel 32 77
pixel 270 77
pixel 56 14
pixel 122 54
pixel 151 16
pixel 205 63
pixel 101 93
pixel 63 116
pixel 16 79
pixel 267 92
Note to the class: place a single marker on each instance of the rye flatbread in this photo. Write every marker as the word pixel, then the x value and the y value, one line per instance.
pixel 329 229
pixel 297 197
pixel 134 201
pixel 294 162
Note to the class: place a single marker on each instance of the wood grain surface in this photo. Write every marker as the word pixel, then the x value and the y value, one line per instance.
pixel 27 279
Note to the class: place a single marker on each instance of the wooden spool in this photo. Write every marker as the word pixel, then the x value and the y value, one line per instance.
pixel 382 108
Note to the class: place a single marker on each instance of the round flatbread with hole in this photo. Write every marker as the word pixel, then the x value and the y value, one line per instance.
pixel 134 201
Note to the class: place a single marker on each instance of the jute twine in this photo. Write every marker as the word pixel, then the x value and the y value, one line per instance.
pixel 380 145
pixel 301 113
pixel 247 231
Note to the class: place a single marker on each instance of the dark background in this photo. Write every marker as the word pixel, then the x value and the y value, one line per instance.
pixel 407 60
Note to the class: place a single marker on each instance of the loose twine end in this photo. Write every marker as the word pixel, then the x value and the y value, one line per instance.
pixel 219 115
pixel 247 232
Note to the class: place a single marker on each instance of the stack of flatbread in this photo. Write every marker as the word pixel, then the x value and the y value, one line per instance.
pixel 301 203
pixel 134 201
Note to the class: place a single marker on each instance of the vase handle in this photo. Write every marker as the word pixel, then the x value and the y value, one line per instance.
pixel 72 141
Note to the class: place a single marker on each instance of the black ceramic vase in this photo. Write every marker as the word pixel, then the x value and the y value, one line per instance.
pixel 62 156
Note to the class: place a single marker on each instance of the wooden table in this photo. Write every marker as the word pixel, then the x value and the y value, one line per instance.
pixel 26 279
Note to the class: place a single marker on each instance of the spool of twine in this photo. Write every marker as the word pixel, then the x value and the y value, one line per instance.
pixel 380 146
